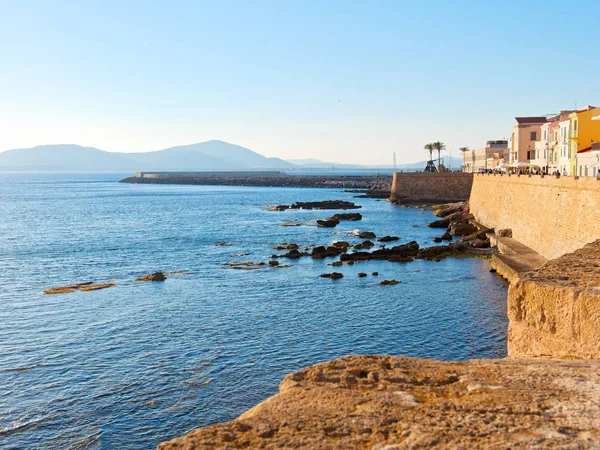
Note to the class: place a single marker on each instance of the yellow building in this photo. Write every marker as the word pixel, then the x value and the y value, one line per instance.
pixel 583 133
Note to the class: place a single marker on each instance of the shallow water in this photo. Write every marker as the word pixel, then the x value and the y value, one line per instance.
pixel 134 365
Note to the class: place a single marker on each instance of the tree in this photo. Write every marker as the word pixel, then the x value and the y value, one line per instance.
pixel 464 149
pixel 430 148
pixel 439 147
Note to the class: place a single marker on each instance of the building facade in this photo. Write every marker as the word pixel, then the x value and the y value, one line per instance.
pixel 526 132
pixel 584 132
pixel 485 158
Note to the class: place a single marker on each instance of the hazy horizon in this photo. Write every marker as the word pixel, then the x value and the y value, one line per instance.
pixel 349 83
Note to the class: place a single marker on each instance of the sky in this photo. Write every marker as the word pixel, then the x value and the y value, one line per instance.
pixel 343 81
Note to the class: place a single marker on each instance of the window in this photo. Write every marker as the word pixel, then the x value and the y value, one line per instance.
pixel 544 134
pixel 533 136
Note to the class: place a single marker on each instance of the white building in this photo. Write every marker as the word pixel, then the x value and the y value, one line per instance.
pixel 564 155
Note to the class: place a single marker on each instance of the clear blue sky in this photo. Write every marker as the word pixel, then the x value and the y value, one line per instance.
pixel 337 80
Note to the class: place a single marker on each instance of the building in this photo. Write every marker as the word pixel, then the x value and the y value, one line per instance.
pixel 564 148
pixel 527 131
pixel 485 158
pixel 584 132
pixel 547 148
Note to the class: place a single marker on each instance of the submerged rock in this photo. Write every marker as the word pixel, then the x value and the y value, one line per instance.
pixel 333 275
pixel 273 263
pixel 156 276
pixel 246 265
pixel 389 282
pixel 96 287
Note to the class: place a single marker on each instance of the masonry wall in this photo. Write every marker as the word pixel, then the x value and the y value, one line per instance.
pixel 437 187
pixel 553 216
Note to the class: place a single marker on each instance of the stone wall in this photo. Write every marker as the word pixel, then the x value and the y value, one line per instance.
pixel 553 216
pixel 435 187
pixel 555 310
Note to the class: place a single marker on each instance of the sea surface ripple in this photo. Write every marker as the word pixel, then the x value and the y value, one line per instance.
pixel 134 365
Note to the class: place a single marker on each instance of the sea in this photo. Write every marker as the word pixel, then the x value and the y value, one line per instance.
pixel 134 365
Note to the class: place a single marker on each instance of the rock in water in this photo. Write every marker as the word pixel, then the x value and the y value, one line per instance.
pixel 328 223
pixel 364 245
pixel 388 238
pixel 389 282
pixel 348 216
pixel 361 275
pixel 333 275
pixel 326 204
pixel 367 235
pixel 156 276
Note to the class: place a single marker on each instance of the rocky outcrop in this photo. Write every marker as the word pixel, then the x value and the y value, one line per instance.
pixel 364 245
pixel 555 310
pixel 399 253
pixel 326 204
pixel 347 216
pixel 385 403
pixel 328 223
pixel 323 252
pixel 367 235
pixel 388 239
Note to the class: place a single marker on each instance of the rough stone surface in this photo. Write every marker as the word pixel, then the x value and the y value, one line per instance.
pixel 555 310
pixel 390 403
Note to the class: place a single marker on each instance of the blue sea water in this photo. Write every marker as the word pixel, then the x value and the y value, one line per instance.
pixel 140 363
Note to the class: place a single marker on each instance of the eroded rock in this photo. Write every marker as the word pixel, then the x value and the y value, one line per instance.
pixel 385 402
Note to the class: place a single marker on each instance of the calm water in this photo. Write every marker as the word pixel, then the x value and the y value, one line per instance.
pixel 134 365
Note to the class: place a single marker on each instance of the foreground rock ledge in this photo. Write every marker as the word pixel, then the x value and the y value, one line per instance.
pixel 386 403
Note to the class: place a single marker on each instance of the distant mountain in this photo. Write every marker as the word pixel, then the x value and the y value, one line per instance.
pixel 64 157
pixel 211 155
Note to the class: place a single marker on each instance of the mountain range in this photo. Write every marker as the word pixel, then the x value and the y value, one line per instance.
pixel 210 155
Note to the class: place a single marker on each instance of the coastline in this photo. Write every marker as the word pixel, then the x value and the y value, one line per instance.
pixel 530 398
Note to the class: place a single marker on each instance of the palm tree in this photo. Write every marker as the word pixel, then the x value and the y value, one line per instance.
pixel 439 146
pixel 463 150
pixel 430 148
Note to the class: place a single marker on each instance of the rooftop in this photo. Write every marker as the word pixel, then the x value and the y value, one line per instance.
pixel 527 120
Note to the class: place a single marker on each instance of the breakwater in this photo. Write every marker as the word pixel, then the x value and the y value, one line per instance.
pixel 431 187
pixel 379 184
